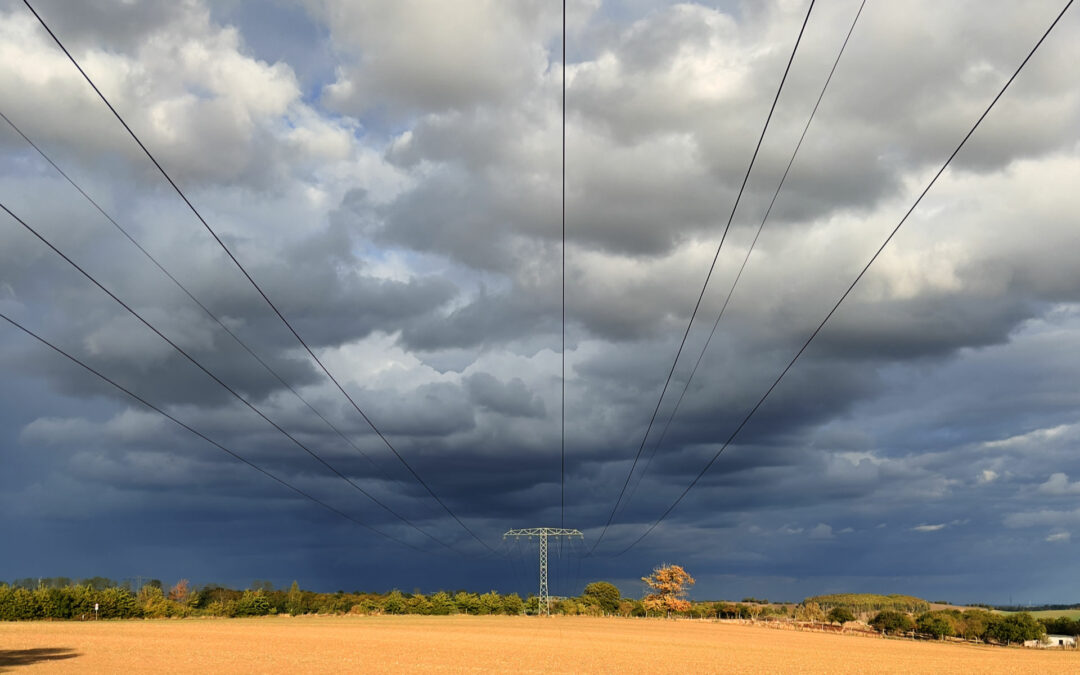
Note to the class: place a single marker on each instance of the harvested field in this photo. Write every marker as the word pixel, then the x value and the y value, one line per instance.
pixel 461 644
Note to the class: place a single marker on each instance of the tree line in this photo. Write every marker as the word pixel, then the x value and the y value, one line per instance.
pixel 971 624
pixel 29 599
pixel 102 598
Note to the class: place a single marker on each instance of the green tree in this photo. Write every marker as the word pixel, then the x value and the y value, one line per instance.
pixel 840 615
pixel 490 603
pixel 419 604
pixel 935 624
pixel 532 604
pixel 55 603
pixel 82 600
pixel 604 595
pixel 253 603
pixel 1017 628
pixel 1061 625
pixel 153 604
pixel 975 623
pixel 17 603
pixel 442 604
pixel 512 604
pixel 394 603
pixel 809 611
pixel 294 601
pixel 893 622
pixel 117 603
pixel 467 603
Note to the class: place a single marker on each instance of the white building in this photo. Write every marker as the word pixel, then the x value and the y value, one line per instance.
pixel 1060 641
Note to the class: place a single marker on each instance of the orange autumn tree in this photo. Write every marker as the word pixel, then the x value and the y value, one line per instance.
pixel 669 584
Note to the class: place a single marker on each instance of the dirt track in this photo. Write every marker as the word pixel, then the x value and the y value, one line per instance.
pixel 482 644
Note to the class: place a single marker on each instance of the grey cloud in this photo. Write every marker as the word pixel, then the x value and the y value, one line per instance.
pixel 509 398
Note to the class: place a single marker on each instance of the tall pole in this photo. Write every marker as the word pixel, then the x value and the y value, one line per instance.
pixel 542 533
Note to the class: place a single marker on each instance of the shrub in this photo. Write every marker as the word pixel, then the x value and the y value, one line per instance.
pixel 840 615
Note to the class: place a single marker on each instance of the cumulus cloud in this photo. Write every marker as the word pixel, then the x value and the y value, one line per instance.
pixel 1059 484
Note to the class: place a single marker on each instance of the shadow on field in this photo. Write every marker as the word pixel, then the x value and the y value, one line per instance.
pixel 26 657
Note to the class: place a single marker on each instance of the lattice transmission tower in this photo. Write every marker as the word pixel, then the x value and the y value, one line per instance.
pixel 543 533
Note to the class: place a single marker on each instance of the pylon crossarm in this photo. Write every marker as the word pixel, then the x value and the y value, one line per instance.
pixel 545 531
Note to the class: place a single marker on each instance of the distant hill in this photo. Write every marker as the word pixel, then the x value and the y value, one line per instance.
pixel 1036 608
pixel 865 603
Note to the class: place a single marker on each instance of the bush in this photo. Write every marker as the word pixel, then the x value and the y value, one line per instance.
pixel 840 615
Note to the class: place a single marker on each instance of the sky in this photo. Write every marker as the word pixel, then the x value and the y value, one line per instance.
pixel 389 173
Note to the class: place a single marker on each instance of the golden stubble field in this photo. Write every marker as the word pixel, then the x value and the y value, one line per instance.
pixel 463 644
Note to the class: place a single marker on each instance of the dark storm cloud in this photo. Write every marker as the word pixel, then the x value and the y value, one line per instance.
pixel 509 398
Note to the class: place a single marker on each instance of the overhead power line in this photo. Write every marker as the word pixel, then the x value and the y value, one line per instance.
pixel 746 258
pixel 194 299
pixel 858 277
pixel 562 378
pixel 708 276
pixel 218 380
pixel 250 279
pixel 209 440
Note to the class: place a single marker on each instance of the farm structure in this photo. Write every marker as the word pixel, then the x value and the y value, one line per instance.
pixel 1060 641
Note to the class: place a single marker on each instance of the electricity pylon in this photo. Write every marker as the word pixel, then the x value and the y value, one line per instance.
pixel 543 533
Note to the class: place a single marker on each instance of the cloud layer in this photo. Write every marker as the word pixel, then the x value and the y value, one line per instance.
pixel 389 173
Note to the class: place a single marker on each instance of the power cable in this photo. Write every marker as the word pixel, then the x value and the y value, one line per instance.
pixel 202 306
pixel 562 379
pixel 219 446
pixel 708 276
pixel 853 283
pixel 746 258
pixel 250 278
pixel 219 381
